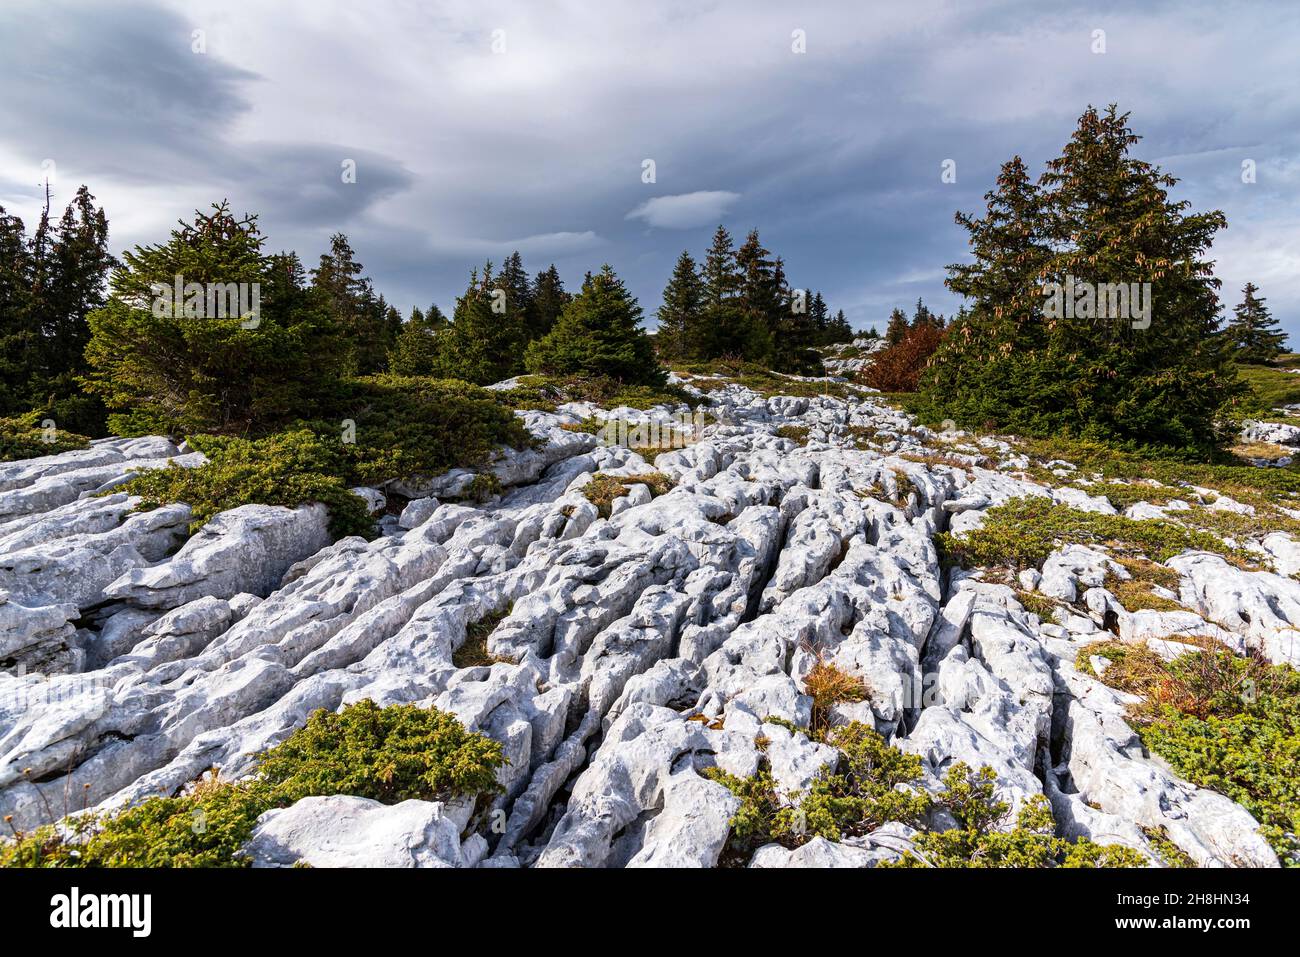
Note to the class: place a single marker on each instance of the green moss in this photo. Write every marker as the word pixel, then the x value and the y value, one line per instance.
pixel 387 754
pixel 24 437
pixel 1023 532
pixel 795 433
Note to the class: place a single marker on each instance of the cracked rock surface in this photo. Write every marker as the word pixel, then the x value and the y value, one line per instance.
pixel 633 651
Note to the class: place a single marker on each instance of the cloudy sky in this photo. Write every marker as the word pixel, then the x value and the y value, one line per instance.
pixel 479 127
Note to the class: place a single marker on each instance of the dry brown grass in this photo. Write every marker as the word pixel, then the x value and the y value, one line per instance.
pixel 830 685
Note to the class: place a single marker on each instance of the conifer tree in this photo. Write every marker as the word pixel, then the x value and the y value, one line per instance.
pixel 896 331
pixel 838 328
pixel 486 340
pixel 351 299
pixel 161 369
pixel 599 333
pixel 680 335
pixel 1253 332
pixel 547 302
pixel 820 316
pixel 415 353
pixel 48 284
pixel 1100 218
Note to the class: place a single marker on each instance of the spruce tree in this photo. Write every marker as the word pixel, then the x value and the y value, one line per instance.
pixel 1101 218
pixel 162 367
pixel 820 316
pixel 351 300
pixel 48 284
pixel 760 303
pixel 599 333
pixel 486 340
pixel 514 282
pixel 415 353
pixel 839 330
pixel 547 302
pixel 896 331
pixel 680 335
pixel 1253 332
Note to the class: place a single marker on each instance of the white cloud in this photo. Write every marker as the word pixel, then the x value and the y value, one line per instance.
pixel 541 246
pixel 685 210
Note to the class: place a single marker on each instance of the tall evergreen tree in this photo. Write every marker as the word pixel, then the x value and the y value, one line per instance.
pixel 352 301
pixel 48 284
pixel 599 333
pixel 838 328
pixel 486 340
pixel 514 282
pixel 680 335
pixel 167 370
pixel 896 331
pixel 819 313
pixel 415 353
pixel 1098 217
pixel 548 301
pixel 1253 332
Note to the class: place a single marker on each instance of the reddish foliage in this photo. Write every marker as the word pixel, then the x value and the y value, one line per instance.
pixel 897 368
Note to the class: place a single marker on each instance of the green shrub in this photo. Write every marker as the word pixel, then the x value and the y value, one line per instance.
pixel 598 333
pixel 1023 532
pixel 162 372
pixel 1223 722
pixel 289 468
pixel 876 785
pixel 387 754
pixel 407 426
pixel 23 437
pixel 795 433
pixel 976 842
pixel 206 828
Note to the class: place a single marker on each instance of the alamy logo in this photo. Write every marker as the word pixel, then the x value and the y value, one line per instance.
pixel 73 910
pixel 1092 300
pixel 213 300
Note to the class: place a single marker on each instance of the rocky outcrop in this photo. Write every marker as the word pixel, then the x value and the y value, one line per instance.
pixel 633 653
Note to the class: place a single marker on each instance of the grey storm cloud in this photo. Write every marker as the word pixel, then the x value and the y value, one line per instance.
pixel 463 154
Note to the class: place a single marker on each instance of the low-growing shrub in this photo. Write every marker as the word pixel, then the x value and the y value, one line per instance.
pixel 387 754
pixel 979 842
pixel 405 427
pixel 1223 722
pixel 1023 532
pixel 288 468
pixel 25 437
pixel 899 367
